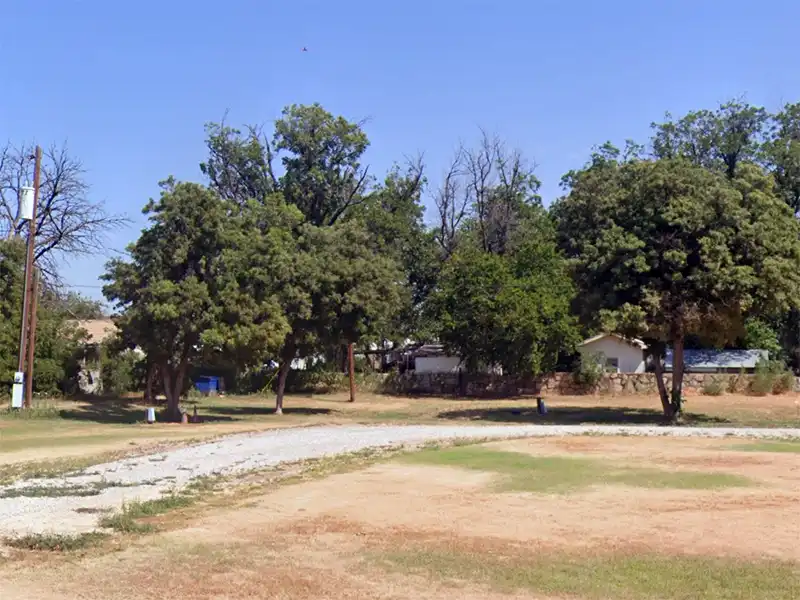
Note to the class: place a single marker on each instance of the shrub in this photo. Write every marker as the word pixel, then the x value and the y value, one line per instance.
pixel 785 382
pixel 713 388
pixel 771 377
pixel 118 372
pixel 590 370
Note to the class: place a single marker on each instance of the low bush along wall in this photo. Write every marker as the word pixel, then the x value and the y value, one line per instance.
pixel 447 384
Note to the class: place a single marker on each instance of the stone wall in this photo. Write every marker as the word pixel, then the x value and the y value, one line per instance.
pixel 498 386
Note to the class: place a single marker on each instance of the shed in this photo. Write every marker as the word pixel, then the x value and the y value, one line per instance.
pixel 618 353
pixel 432 358
pixel 719 361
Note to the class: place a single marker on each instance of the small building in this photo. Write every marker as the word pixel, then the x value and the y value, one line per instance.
pixel 432 358
pixel 719 361
pixel 618 354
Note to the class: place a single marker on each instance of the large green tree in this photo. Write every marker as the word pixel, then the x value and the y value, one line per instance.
pixel 198 283
pixel 393 217
pixel 335 289
pixel 671 247
pixel 511 310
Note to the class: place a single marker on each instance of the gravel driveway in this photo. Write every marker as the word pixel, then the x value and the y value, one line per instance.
pixel 148 477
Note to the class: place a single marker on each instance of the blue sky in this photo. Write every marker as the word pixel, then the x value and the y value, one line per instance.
pixel 129 85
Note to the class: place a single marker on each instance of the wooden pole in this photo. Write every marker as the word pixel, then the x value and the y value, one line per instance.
pixel 352 366
pixel 32 341
pixel 28 276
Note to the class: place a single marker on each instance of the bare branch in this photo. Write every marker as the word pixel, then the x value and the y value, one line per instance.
pixel 67 223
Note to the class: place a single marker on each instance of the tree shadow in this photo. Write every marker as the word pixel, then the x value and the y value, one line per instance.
pixel 576 415
pixel 119 411
pixel 250 411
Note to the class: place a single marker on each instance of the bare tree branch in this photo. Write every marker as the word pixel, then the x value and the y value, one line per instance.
pixel 68 223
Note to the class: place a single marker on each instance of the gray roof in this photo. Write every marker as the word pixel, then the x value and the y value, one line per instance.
pixel 719 359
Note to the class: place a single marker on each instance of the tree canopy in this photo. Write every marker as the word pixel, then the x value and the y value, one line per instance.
pixel 668 247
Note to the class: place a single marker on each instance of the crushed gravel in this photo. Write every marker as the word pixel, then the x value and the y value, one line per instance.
pixel 70 504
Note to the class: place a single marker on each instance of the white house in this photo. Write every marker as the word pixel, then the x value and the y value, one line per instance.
pixel 620 354
pixel 431 358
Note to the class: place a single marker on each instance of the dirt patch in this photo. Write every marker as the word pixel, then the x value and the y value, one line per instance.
pixel 319 539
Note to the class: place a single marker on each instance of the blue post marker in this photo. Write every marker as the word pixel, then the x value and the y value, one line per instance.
pixel 541 407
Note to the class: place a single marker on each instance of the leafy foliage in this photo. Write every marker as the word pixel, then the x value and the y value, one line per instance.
pixel 590 370
pixel 665 248
pixel 188 290
pixel 58 339
pixel 510 311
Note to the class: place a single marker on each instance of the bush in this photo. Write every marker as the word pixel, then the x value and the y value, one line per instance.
pixel 118 372
pixel 784 383
pixel 590 370
pixel 771 377
pixel 713 388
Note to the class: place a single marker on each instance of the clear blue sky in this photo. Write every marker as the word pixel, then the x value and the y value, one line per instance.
pixel 129 85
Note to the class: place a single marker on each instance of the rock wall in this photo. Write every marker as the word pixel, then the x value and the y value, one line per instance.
pixel 616 384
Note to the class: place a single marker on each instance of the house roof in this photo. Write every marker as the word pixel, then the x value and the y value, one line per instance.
pixel 99 330
pixel 719 359
pixel 630 341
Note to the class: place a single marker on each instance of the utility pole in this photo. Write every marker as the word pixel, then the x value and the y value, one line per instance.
pixel 352 366
pixel 32 340
pixel 27 291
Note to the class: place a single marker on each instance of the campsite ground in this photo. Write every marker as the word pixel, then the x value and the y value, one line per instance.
pixel 71 433
pixel 565 517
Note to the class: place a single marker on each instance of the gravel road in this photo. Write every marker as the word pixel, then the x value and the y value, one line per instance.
pixel 148 477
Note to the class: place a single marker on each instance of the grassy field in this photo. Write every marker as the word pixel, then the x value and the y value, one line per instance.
pixel 66 434
pixel 584 518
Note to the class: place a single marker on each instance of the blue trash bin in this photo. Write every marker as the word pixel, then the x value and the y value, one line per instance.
pixel 207 385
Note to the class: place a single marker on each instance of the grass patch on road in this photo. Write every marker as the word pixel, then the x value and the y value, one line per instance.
pixel 50 542
pixel 129 519
pixel 526 473
pixel 622 577
pixel 785 446
pixel 62 491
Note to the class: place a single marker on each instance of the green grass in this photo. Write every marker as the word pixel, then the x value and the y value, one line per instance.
pixel 791 447
pixel 50 542
pixel 128 519
pixel 53 468
pixel 602 577
pixel 61 491
pixel 527 473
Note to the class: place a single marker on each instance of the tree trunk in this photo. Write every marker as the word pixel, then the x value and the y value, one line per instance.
pixel 283 371
pixel 351 363
pixel 677 374
pixel 149 397
pixel 173 412
pixel 663 395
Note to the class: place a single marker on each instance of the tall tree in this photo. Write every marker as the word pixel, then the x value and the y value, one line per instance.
pixel 663 249
pixel 393 216
pixel 321 158
pixel 782 153
pixel 68 223
pixel 337 290
pixel 239 165
pixel 488 189
pixel 510 310
pixel 179 294
pixel 720 139
pixel 320 155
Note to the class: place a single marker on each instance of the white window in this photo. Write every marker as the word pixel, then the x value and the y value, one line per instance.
pixel 612 365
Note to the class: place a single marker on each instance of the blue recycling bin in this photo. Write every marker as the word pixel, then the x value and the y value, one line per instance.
pixel 207 385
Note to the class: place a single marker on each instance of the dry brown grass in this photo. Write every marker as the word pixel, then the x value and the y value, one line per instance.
pixel 398 530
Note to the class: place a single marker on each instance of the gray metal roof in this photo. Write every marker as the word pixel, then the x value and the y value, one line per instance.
pixel 719 359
